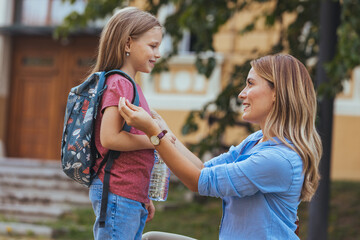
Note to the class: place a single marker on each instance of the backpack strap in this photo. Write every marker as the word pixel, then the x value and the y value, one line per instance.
pixel 109 159
pixel 111 155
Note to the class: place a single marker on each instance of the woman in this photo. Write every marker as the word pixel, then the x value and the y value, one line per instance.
pixel 262 180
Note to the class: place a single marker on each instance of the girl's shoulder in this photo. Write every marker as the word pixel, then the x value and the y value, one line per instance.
pixel 119 83
pixel 117 79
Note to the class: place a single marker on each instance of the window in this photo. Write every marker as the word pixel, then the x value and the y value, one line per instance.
pixel 45 12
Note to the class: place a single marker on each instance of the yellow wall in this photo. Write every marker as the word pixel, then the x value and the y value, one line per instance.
pixel 346 148
pixel 176 120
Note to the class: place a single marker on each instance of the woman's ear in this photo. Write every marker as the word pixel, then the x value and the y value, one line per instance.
pixel 128 44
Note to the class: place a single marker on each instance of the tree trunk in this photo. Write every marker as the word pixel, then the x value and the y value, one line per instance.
pixel 319 206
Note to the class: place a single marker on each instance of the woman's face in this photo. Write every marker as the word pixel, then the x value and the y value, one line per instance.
pixel 257 99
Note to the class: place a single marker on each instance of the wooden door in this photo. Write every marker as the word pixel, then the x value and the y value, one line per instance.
pixel 43 71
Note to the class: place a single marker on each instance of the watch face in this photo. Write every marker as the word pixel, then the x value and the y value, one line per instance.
pixel 155 140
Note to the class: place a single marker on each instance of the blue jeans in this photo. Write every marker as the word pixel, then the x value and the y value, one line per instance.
pixel 125 218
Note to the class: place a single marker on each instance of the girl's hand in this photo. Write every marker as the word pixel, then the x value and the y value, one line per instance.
pixel 151 210
pixel 137 117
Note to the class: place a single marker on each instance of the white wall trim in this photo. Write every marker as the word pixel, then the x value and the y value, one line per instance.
pixel 347 108
pixel 350 106
pixel 179 100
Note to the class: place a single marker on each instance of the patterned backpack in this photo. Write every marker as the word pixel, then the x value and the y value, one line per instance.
pixel 78 151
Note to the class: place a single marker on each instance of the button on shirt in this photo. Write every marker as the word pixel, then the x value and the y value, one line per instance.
pixel 260 185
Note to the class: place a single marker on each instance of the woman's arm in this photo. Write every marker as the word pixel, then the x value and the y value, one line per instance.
pixel 112 136
pixel 181 166
pixel 178 144
pixel 189 155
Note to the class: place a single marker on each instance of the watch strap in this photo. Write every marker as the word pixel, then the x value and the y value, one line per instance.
pixel 162 134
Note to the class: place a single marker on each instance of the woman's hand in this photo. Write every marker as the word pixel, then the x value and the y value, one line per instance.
pixel 162 124
pixel 159 120
pixel 151 210
pixel 138 117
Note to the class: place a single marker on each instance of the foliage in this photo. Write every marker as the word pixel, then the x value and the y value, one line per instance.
pixel 300 39
pixel 347 55
pixel 94 10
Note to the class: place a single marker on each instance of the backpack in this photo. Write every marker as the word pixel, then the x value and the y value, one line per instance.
pixel 78 150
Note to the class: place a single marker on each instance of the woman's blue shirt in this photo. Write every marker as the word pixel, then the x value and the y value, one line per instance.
pixel 260 185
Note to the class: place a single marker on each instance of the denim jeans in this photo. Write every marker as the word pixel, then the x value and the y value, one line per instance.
pixel 125 218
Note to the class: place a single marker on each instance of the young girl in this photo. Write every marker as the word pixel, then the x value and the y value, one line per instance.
pixel 262 180
pixel 130 42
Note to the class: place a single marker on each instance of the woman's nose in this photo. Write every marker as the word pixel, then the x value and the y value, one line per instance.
pixel 242 94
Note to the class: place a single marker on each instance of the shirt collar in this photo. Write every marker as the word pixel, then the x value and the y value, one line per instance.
pixel 271 142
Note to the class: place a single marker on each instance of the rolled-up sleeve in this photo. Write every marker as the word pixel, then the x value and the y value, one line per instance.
pixel 266 172
pixel 217 182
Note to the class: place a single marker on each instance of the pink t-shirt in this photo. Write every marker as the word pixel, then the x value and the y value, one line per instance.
pixel 130 173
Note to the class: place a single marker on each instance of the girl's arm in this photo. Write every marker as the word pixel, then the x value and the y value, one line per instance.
pixel 181 166
pixel 112 137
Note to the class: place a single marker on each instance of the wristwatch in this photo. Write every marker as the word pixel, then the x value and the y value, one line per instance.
pixel 156 139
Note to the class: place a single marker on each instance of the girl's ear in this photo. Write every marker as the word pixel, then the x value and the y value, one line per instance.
pixel 128 44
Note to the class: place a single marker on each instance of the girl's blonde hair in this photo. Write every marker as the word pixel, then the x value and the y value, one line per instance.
pixel 294 112
pixel 128 22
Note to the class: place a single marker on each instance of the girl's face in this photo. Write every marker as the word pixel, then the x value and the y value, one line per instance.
pixel 144 51
pixel 257 99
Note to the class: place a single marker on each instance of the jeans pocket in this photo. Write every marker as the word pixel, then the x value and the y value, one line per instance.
pixel 95 195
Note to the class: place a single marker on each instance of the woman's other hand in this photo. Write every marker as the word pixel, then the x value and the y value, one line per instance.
pixel 163 125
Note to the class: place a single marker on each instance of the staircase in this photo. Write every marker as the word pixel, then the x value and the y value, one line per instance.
pixel 35 191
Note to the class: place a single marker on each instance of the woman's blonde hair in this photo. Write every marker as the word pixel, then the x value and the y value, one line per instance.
pixel 127 22
pixel 294 112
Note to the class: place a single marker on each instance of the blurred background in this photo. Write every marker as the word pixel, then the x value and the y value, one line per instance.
pixel 48 46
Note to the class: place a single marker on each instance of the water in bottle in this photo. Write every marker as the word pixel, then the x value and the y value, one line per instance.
pixel 159 180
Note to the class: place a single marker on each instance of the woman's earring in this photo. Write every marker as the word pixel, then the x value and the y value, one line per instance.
pixel 127 54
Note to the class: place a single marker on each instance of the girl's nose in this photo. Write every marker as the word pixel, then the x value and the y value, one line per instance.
pixel 157 53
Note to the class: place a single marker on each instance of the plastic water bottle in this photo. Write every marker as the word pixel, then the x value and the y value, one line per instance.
pixel 159 180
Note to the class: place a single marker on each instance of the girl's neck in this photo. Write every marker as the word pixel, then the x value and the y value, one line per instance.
pixel 129 71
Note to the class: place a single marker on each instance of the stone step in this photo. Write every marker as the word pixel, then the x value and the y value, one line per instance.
pixel 40 183
pixel 27 170
pixel 34 173
pixel 34 195
pixel 33 213
pixel 8 229
pixel 36 191
pixel 27 162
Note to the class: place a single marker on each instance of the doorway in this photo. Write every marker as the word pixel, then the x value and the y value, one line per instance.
pixel 43 72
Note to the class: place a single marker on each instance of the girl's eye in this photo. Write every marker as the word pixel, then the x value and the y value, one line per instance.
pixel 249 82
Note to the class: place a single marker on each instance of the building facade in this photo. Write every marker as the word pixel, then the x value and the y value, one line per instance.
pixel 37 73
